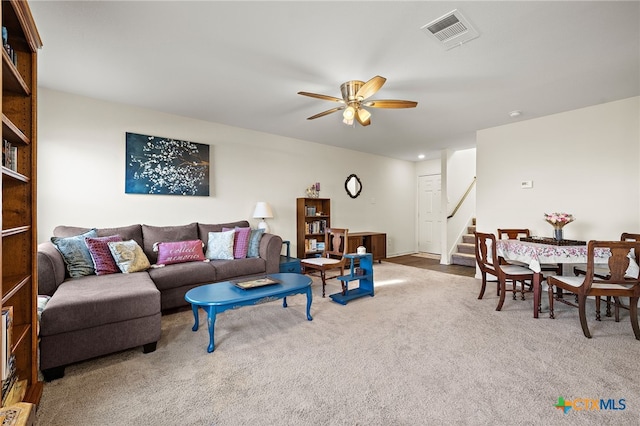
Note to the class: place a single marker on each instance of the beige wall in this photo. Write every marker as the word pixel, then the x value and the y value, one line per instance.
pixel 81 149
pixel 457 170
pixel 584 162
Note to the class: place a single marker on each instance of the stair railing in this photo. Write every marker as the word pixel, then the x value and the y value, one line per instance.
pixel 464 197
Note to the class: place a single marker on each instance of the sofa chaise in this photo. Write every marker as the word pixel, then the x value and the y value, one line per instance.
pixel 95 315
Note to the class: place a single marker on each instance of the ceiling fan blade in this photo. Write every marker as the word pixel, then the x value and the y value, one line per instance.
pixel 363 117
pixel 370 87
pixel 324 97
pixel 389 103
pixel 327 112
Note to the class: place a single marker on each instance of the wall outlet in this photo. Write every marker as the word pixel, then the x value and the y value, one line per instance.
pixel 526 184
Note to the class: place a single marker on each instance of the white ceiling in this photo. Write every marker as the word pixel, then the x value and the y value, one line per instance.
pixel 242 63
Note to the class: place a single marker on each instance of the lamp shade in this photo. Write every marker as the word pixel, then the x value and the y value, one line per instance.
pixel 262 211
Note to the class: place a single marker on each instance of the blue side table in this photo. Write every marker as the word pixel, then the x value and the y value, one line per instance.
pixel 289 264
pixel 365 278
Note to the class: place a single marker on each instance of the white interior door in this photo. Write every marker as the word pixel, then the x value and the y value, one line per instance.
pixel 429 222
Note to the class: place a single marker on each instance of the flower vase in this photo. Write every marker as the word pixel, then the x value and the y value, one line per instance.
pixel 557 234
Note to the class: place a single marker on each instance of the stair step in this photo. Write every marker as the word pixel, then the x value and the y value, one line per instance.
pixel 463 259
pixel 467 248
pixel 471 229
pixel 469 239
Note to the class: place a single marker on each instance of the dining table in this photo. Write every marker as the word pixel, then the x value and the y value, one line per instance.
pixel 535 251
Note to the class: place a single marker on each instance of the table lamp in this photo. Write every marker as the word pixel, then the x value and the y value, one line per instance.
pixel 263 211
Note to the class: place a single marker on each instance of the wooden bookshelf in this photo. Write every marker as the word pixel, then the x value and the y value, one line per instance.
pixel 313 215
pixel 19 213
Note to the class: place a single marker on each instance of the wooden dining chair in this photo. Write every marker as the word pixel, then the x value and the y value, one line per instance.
pixel 335 246
pixel 618 283
pixel 515 234
pixel 603 273
pixel 489 264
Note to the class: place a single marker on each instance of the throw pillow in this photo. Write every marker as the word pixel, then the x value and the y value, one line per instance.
pixel 254 243
pixel 76 253
pixel 240 241
pixel 220 245
pixel 129 256
pixel 101 255
pixel 179 252
pixel 42 303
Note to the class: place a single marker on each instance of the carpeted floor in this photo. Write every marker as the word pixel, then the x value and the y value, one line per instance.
pixel 417 353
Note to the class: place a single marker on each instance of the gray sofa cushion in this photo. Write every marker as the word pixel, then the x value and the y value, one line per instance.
pixel 96 300
pixel 131 232
pixel 228 269
pixel 205 228
pixel 77 345
pixel 51 268
pixel 181 274
pixel 158 234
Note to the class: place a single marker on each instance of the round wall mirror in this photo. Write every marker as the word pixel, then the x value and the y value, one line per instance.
pixel 353 186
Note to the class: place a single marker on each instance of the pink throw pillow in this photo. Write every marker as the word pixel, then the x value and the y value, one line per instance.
pixel 103 261
pixel 179 252
pixel 240 241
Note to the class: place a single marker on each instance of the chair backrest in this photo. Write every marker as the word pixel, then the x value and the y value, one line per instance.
pixel 622 254
pixel 335 242
pixel 629 237
pixel 486 252
pixel 513 234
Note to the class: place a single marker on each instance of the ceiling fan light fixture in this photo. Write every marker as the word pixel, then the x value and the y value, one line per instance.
pixel 354 93
pixel 349 113
pixel 363 114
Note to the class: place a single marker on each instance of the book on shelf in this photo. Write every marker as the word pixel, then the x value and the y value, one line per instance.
pixel 7 327
pixel 310 210
pixel 16 393
pixel 7 47
pixel 9 155
pixel 310 245
pixel 19 414
pixel 315 227
pixel 9 382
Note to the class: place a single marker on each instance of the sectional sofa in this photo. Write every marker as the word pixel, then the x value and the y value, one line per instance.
pixel 94 315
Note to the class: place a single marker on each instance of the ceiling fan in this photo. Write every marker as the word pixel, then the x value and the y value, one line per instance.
pixel 354 95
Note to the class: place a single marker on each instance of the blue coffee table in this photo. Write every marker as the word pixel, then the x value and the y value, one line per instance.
pixel 219 297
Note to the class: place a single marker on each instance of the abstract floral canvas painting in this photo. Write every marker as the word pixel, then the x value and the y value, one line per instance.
pixel 156 165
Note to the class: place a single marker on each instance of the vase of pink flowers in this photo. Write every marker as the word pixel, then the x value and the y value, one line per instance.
pixel 558 221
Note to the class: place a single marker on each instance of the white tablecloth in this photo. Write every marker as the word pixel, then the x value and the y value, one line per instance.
pixel 535 254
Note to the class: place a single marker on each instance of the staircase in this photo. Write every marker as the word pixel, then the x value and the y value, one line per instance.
pixel 466 254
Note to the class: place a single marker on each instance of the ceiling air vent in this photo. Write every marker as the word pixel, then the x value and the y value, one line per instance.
pixel 451 30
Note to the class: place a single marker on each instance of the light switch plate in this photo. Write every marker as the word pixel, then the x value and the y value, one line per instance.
pixel 526 184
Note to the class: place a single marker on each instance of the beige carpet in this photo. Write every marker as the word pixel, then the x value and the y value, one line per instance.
pixel 423 351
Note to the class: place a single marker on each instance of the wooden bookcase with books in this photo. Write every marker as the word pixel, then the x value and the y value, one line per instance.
pixel 313 215
pixel 21 42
